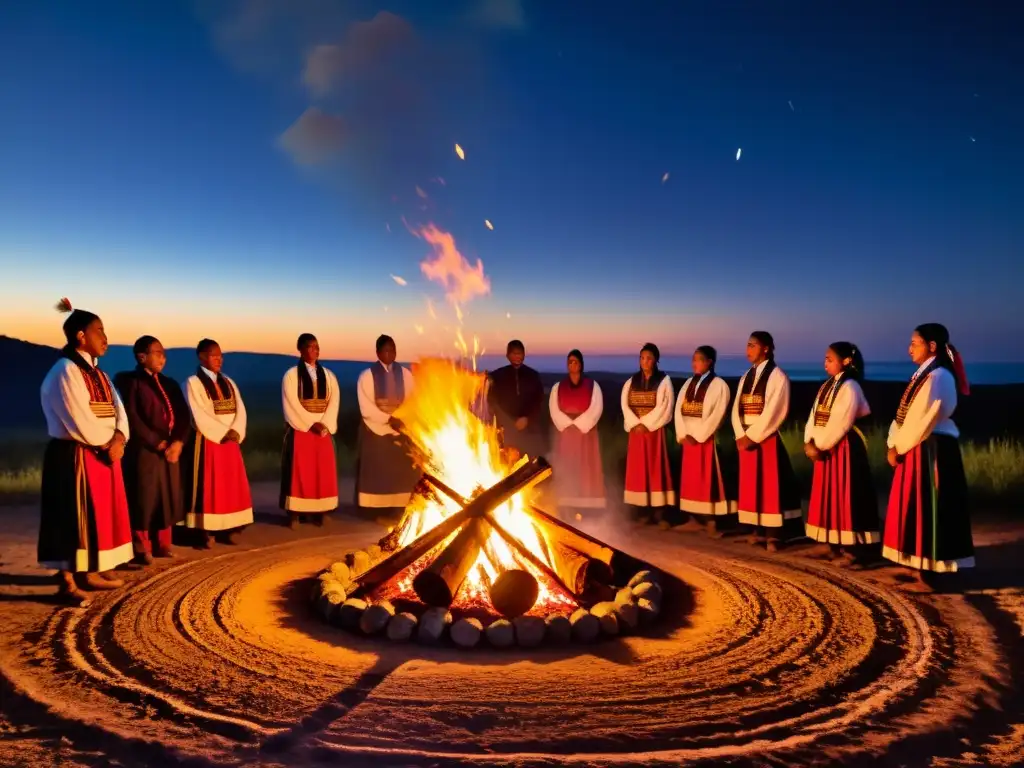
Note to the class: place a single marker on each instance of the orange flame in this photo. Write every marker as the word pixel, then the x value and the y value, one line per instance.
pixel 463 451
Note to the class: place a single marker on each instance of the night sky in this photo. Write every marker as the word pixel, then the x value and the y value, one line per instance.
pixel 249 170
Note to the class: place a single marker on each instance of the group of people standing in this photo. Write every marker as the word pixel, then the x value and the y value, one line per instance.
pixel 108 499
pixel 927 523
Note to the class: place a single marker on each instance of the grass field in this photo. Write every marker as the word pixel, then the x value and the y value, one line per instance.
pixel 995 469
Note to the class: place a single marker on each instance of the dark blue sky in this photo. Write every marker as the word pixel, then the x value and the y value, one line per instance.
pixel 156 156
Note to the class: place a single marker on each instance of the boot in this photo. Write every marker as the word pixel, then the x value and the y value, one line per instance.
pixel 97 581
pixel 206 542
pixel 144 558
pixel 68 591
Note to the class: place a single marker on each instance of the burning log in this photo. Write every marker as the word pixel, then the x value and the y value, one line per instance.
pixel 438 583
pixel 530 473
pixel 617 562
pixel 576 569
pixel 514 592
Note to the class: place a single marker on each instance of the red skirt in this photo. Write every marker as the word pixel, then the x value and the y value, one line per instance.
pixel 648 475
pixel 928 524
pixel 309 473
pixel 84 525
pixel 701 487
pixel 843 508
pixel 769 494
pixel 579 477
pixel 221 500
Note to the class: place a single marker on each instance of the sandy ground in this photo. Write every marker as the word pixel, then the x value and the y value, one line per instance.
pixel 215 660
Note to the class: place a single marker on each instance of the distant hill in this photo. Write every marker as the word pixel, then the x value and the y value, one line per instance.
pixel 258 374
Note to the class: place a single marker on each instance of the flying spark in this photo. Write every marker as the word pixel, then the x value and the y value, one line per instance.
pixel 459 152
pixel 418 328
pixel 738 153
pixel 387 226
pixel 508 315
pixel 488 224
pixel 399 280
pixel 421 193
pixel 430 310
pixel 973 139
pixel 664 178
pixel 791 107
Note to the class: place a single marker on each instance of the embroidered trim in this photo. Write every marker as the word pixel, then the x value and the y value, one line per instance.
pixel 316 405
pixel 642 401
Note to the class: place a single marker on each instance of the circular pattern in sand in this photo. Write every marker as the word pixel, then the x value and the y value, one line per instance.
pixel 758 657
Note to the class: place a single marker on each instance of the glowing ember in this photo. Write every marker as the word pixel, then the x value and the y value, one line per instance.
pixel 463 451
pixel 459 152
pixel 487 223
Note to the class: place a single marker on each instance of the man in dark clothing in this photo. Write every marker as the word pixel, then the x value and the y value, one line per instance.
pixel 515 396
pixel 160 421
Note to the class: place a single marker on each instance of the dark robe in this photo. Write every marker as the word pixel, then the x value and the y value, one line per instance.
pixel 157 412
pixel 514 393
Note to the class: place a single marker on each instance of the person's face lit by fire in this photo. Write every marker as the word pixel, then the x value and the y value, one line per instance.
pixel 920 350
pixel 387 353
pixel 515 356
pixel 757 352
pixel 701 364
pixel 154 359
pixel 212 359
pixel 93 340
pixel 310 352
pixel 575 368
pixel 647 362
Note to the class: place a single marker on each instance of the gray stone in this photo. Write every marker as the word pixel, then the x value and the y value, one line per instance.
pixel 648 610
pixel 341 572
pixel 529 630
pixel 501 634
pixel 585 626
pixel 376 617
pixel 351 612
pixel 466 632
pixel 642 577
pixel 559 630
pixel 401 626
pixel 628 615
pixel 625 595
pixel 432 625
pixel 330 603
pixel 609 623
pixel 648 591
pixel 603 609
pixel 360 563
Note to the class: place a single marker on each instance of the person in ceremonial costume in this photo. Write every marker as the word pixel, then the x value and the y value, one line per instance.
pixel 218 499
pixel 515 396
pixel 842 514
pixel 576 405
pixel 309 469
pixel 386 475
pixel 84 527
pixel 769 496
pixel 928 524
pixel 647 400
pixel 702 407
pixel 160 423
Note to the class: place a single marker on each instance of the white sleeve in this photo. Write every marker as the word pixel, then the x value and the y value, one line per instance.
pixel 558 418
pixel 69 399
pixel 629 419
pixel 241 420
pixel 890 439
pixel 716 405
pixel 330 416
pixel 297 417
pixel 662 412
pixel 809 426
pixel 368 402
pixel 680 423
pixel 935 400
pixel 587 420
pixel 207 423
pixel 737 421
pixel 841 418
pixel 776 407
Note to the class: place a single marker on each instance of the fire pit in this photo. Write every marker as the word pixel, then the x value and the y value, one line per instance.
pixel 487 564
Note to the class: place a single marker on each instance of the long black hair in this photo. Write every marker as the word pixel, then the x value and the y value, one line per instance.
pixel 946 355
pixel 765 340
pixel 847 350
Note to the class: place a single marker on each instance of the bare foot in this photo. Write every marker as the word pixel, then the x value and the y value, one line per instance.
pixel 772 545
pixel 713 531
pixel 820 550
pixel 98 582
pixel 690 526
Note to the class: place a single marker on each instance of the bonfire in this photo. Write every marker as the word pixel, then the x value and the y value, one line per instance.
pixel 472 542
